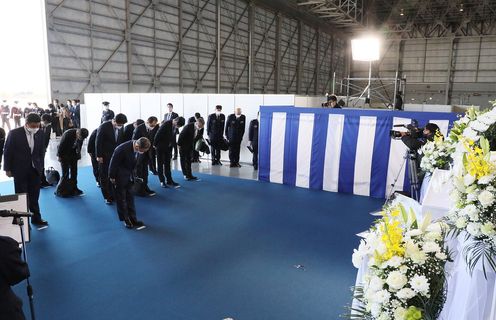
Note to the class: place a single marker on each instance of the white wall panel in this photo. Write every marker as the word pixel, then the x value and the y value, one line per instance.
pixel 130 106
pixel 279 100
pixel 150 105
pixel 91 112
pixel 196 103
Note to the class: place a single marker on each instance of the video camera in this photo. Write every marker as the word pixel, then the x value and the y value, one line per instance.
pixel 412 130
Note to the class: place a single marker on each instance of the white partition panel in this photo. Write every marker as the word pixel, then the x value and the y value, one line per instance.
pixel 301 101
pixel 130 106
pixel 177 101
pixel 150 105
pixel 115 101
pixel 225 100
pixel 196 103
pixel 91 111
pixel 279 100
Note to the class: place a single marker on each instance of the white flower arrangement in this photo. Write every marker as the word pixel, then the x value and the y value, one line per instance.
pixel 474 186
pixel 436 154
pixel 405 276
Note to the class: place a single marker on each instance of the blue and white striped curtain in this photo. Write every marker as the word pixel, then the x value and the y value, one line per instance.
pixel 347 151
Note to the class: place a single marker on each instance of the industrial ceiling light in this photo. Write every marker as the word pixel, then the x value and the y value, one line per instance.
pixel 461 7
pixel 402 13
pixel 366 48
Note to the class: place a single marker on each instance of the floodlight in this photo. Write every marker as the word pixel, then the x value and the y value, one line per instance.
pixel 365 48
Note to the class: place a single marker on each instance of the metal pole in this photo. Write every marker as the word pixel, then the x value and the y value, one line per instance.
pixel 395 90
pixel 370 80
pixel 334 82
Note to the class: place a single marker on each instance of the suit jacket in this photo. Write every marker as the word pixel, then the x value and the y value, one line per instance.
pixel 165 136
pixel 12 271
pixel 235 128
pixel 253 131
pixel 187 137
pixel 91 142
pixel 70 147
pixel 105 140
pixel 173 116
pixel 128 132
pixel 47 131
pixel 123 163
pixel 18 157
pixel 152 133
pixel 215 127
pixel 140 131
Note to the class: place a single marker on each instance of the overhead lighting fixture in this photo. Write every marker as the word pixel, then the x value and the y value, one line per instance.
pixel 402 13
pixel 366 48
pixel 461 7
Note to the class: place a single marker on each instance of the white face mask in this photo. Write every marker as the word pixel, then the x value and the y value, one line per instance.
pixel 238 115
pixel 33 130
pixel 106 108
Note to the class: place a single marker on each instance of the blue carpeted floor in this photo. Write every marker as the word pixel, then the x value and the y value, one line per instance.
pixel 213 249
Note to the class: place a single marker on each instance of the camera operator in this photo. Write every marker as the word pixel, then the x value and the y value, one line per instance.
pixel 415 138
pixel 12 271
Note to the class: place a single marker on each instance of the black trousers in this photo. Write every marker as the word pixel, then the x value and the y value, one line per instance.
pixel 17 122
pixel 30 183
pixel 152 154
pixel 234 149
pixel 254 145
pixel 185 154
pixel 124 199
pixel 69 170
pixel 5 121
pixel 94 164
pixel 142 168
pixel 215 153
pixel 164 158
pixel 105 185
pixel 174 146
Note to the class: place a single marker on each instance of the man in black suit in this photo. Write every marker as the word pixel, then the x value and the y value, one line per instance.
pixel 76 113
pixel 141 188
pixel 215 131
pixel 235 129
pixel 13 270
pixel 128 130
pixel 46 128
pixel 152 128
pixel 91 152
pixel 164 142
pixel 121 175
pixel 171 115
pixel 108 137
pixel 195 155
pixel 186 142
pixel 253 138
pixel 107 114
pixel 24 161
pixel 68 153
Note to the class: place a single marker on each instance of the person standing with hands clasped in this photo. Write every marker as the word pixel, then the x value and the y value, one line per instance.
pixel 24 161
pixel 235 129
pixel 121 170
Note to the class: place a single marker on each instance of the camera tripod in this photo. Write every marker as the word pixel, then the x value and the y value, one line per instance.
pixel 411 159
pixel 19 220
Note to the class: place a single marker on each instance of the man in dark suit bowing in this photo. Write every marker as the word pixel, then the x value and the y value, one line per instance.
pixel 121 175
pixel 68 153
pixel 235 129
pixel 186 142
pixel 108 137
pixel 152 128
pixel 91 152
pixel 164 143
pixel 215 131
pixel 24 161
pixel 141 188
pixel 171 115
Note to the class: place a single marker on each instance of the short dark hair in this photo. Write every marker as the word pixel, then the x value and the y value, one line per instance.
pixel 218 107
pixel 170 105
pixel 152 119
pixel 139 122
pixel 332 98
pixel 120 118
pixel 197 115
pixel 143 143
pixel 432 127
pixel 46 117
pixel 33 118
pixel 84 133
pixel 180 122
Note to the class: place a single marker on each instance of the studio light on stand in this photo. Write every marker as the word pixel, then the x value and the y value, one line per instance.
pixel 366 48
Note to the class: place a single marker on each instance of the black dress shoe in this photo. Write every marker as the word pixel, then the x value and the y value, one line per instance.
pixel 163 185
pixel 255 167
pixel 45 184
pixel 192 178
pixel 109 202
pixel 128 224
pixel 173 184
pixel 232 165
pixel 238 165
pixel 78 192
pixel 150 193
pixel 39 222
pixel 137 224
